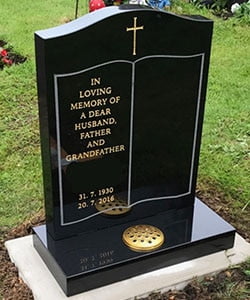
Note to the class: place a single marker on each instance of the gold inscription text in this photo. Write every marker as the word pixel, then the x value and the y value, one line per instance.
pixel 95 81
pixel 88 104
pixel 95 153
pixel 95 92
pixel 95 133
pixel 94 123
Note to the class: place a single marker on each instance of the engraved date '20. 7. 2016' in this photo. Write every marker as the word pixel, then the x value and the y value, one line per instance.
pixel 100 196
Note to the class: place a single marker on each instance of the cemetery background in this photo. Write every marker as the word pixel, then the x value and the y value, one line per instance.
pixel 224 162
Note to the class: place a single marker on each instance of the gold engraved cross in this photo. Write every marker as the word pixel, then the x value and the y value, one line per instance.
pixel 134 29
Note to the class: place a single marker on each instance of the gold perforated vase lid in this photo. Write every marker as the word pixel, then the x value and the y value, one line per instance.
pixel 143 238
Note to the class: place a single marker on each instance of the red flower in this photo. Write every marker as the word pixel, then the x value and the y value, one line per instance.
pixel 7 61
pixel 96 4
pixel 4 52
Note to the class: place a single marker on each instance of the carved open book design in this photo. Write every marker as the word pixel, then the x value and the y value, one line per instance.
pixel 114 123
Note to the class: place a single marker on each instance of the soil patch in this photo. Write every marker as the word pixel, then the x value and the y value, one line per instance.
pixel 11 286
pixel 219 202
pixel 214 287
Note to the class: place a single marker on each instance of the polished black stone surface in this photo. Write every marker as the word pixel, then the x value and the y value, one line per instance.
pixel 121 103
pixel 90 260
pixel 121 114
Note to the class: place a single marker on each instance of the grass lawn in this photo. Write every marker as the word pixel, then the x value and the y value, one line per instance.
pixel 225 155
pixel 225 149
pixel 20 177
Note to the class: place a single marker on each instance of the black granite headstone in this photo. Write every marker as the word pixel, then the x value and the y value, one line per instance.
pixel 121 100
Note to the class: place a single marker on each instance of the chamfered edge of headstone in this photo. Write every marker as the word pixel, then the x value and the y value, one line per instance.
pixel 100 14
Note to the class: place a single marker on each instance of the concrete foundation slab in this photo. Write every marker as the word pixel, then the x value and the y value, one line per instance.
pixel 44 287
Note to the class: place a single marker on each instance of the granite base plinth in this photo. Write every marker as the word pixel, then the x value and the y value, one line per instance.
pixel 95 259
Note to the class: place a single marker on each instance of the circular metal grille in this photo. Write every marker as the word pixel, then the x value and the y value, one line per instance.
pixel 114 208
pixel 143 238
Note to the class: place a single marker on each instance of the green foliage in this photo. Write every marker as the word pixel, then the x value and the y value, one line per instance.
pixel 219 8
pixel 244 10
pixel 243 13
pixel 219 5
